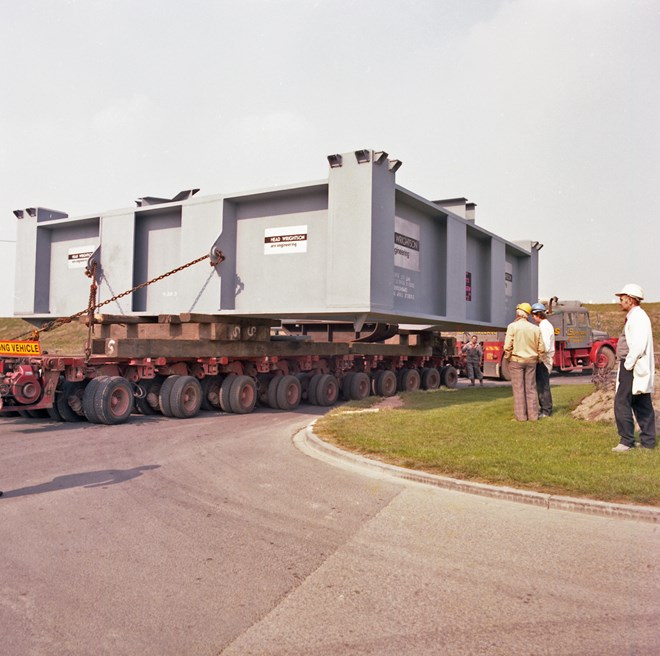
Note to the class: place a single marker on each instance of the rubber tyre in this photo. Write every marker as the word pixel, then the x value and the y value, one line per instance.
pixel 89 408
pixel 273 384
pixel 605 359
pixel 223 396
pixel 327 390
pixel 210 392
pixel 53 412
pixel 243 395
pixel 304 384
pixel 289 393
pixel 186 397
pixel 311 390
pixel 165 393
pixel 61 407
pixel 38 414
pixel 346 385
pixel 149 387
pixel 409 380
pixel 430 378
pixel 386 384
pixel 113 400
pixel 449 377
pixel 360 386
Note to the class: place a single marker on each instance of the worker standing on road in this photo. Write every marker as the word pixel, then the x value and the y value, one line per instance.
pixel 523 347
pixel 544 367
pixel 635 378
pixel 473 354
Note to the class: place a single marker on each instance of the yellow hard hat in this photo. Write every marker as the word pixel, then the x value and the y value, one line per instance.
pixel 525 307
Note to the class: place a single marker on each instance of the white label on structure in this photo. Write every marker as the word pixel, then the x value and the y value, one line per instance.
pixel 508 278
pixel 406 244
pixel 79 255
pixel 290 239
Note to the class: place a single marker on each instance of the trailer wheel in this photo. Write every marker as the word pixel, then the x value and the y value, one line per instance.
pixel 289 393
pixel 272 391
pixel 62 405
pixel 311 390
pixel 223 396
pixel 113 400
pixel 304 384
pixel 165 394
pixel 89 408
pixel 430 378
pixel 360 386
pixel 346 385
pixel 327 390
pixel 449 376
pixel 38 414
pixel 505 373
pixel 147 404
pixel 605 358
pixel 385 383
pixel 185 397
pixel 408 380
pixel 243 395
pixel 210 392
pixel 54 413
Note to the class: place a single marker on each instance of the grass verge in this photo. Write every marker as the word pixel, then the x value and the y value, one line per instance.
pixel 470 434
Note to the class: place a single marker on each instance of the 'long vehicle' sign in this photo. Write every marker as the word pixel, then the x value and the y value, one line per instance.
pixel 18 348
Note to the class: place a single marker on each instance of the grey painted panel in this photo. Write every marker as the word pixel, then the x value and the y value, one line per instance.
pixel 353 248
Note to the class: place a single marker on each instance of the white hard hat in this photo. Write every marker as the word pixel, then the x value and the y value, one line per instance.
pixel 631 289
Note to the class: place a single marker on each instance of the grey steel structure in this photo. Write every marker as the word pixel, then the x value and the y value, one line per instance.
pixel 356 247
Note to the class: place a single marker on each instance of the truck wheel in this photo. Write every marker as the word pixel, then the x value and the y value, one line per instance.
pixel 408 380
pixel 223 396
pixel 346 385
pixel 449 377
pixel 165 393
pixel 289 393
pixel 385 383
pixel 360 386
pixel 272 391
pixel 243 395
pixel 113 400
pixel 69 391
pixel 210 392
pixel 147 404
pixel 185 397
pixel 430 378
pixel 327 390
pixel 38 414
pixel 54 413
pixel 505 373
pixel 304 384
pixel 605 358
pixel 89 409
pixel 311 390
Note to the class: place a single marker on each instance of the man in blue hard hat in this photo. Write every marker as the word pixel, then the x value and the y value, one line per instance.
pixel 544 366
pixel 635 377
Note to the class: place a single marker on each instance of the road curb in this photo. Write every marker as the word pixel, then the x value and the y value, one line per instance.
pixel 309 442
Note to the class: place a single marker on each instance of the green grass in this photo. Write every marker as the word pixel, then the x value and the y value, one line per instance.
pixel 471 434
pixel 68 339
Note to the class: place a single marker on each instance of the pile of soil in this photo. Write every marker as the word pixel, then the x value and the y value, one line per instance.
pixel 599 406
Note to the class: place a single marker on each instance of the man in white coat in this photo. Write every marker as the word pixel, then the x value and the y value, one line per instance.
pixel 636 373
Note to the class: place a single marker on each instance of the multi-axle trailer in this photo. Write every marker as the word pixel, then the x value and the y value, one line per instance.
pixel 339 287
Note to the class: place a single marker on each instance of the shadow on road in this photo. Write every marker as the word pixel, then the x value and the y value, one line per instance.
pixel 83 479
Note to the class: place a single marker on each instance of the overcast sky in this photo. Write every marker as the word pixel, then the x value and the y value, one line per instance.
pixel 546 113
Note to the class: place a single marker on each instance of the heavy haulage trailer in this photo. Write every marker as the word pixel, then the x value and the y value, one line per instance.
pixel 339 287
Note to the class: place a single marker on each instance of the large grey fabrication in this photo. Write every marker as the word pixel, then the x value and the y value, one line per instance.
pixel 354 247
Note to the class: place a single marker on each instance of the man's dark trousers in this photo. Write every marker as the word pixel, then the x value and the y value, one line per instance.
pixel 625 404
pixel 543 389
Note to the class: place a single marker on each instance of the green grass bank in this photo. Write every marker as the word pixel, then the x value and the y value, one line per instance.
pixel 471 434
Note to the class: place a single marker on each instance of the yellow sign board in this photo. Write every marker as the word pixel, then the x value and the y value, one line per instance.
pixel 18 348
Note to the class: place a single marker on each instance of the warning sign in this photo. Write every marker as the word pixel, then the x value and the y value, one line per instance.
pixel 291 239
pixel 79 255
pixel 18 348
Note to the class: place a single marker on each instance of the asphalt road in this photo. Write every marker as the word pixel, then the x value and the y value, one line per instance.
pixel 216 535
